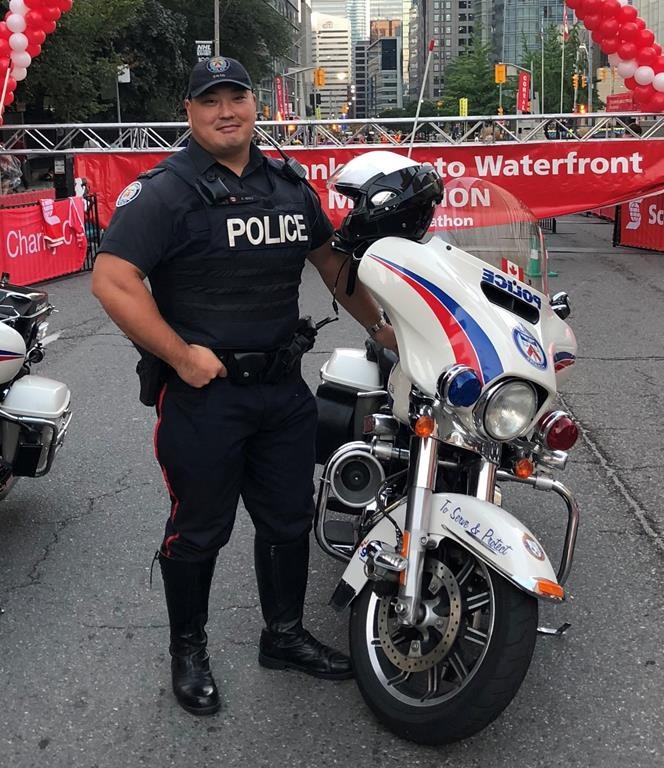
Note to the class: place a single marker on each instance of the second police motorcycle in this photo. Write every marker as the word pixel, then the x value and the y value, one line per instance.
pixel 443 582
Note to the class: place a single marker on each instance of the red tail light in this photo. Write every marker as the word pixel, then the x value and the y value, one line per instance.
pixel 558 431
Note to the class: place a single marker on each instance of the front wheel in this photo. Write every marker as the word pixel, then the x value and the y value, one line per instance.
pixel 456 671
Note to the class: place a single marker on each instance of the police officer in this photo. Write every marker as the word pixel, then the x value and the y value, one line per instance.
pixel 222 232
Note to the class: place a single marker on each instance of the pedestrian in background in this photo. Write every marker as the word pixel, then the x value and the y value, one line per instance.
pixel 222 232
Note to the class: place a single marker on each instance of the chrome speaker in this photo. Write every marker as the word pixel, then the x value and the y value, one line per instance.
pixel 355 475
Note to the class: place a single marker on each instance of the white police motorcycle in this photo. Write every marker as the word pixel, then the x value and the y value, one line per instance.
pixel 442 581
pixel 34 411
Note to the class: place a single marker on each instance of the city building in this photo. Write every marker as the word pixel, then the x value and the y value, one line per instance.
pixel 384 69
pixel 332 53
pixel 652 12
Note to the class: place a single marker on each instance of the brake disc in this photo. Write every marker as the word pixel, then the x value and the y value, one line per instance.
pixel 431 647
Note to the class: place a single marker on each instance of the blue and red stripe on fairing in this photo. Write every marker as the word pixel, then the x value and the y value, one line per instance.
pixel 8 355
pixel 471 346
pixel 563 360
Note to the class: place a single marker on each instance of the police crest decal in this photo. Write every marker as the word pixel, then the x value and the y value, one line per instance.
pixel 129 193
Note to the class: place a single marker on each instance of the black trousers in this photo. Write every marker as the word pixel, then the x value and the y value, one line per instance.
pixel 227 441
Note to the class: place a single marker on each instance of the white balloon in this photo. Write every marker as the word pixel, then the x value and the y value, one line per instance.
pixel 18 6
pixel 22 59
pixel 16 22
pixel 19 73
pixel 658 82
pixel 18 41
pixel 614 59
pixel 625 68
pixel 644 75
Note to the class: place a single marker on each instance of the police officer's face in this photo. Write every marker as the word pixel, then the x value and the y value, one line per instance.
pixel 222 119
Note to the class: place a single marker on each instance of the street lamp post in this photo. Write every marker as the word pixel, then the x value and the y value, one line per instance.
pixel 216 28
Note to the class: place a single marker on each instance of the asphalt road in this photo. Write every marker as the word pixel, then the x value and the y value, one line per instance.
pixel 84 668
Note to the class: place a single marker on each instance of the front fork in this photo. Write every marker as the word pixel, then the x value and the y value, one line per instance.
pixel 421 484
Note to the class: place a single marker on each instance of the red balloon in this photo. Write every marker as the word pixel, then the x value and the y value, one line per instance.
pixel 34 49
pixel 630 83
pixel 51 13
pixel 65 5
pixel 610 45
pixel 597 36
pixel 9 98
pixel 658 48
pixel 646 57
pixel 5 50
pixel 5 32
pixel 640 23
pixel 627 13
pixel 628 32
pixel 592 6
pixel 645 38
pixel 577 7
pixel 49 27
pixel 33 20
pixel 656 103
pixel 593 21
pixel 35 36
pixel 610 8
pixel 11 84
pixel 643 94
pixel 609 27
pixel 658 66
pixel 627 51
pixel 34 3
pixel 4 64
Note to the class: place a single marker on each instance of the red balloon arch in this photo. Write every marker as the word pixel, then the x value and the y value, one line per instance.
pixel 620 32
pixel 22 34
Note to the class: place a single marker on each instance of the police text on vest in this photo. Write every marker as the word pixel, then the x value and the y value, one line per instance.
pixel 267 230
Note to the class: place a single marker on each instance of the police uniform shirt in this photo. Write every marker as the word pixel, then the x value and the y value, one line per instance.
pixel 224 275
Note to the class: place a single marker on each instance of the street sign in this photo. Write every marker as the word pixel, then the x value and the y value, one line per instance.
pixel 204 49
pixel 463 107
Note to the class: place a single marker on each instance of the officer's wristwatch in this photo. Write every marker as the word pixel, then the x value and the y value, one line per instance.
pixel 373 329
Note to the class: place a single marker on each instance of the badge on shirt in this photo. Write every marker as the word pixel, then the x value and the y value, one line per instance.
pixel 128 194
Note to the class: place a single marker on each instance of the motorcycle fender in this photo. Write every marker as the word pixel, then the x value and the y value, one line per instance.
pixel 491 533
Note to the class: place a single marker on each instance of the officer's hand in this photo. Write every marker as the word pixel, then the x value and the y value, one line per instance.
pixel 386 337
pixel 200 366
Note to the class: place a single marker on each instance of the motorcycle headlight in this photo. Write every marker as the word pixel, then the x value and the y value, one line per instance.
pixel 507 410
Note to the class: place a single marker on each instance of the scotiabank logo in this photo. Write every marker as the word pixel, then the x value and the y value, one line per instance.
pixel 635 217
pixel 19 242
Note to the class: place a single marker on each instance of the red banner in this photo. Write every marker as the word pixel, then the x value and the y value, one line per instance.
pixel 523 93
pixel 41 242
pixel 281 98
pixel 551 178
pixel 642 223
pixel 620 102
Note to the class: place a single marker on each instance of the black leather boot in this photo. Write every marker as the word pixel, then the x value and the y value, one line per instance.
pixel 281 573
pixel 187 589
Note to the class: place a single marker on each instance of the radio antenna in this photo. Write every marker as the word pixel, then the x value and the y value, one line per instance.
pixel 432 45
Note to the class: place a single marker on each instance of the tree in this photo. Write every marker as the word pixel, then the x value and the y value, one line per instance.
pixel 153 49
pixel 553 55
pixel 67 78
pixel 470 76
pixel 250 30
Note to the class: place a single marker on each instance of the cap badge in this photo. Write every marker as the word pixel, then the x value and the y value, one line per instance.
pixel 218 65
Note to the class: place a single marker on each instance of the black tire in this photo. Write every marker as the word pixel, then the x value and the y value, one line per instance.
pixel 454 708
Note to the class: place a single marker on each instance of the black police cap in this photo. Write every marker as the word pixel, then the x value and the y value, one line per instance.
pixel 217 71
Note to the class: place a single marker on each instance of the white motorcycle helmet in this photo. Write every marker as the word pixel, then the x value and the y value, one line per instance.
pixel 392 195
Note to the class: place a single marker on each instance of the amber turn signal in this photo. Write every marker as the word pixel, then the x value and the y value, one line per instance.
pixel 424 426
pixel 548 588
pixel 524 468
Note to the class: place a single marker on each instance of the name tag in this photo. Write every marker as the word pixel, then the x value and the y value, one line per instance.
pixel 274 229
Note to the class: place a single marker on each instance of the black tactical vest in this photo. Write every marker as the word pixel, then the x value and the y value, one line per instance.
pixel 233 281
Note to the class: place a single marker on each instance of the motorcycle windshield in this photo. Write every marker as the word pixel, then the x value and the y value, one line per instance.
pixel 490 223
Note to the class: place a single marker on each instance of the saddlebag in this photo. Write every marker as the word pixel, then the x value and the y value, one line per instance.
pixel 345 375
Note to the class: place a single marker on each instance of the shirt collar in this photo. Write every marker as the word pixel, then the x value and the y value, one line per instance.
pixel 203 160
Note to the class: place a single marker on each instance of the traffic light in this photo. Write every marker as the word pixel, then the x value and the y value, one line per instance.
pixel 602 73
pixel 575 80
pixel 319 77
pixel 500 74
pixel 584 81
